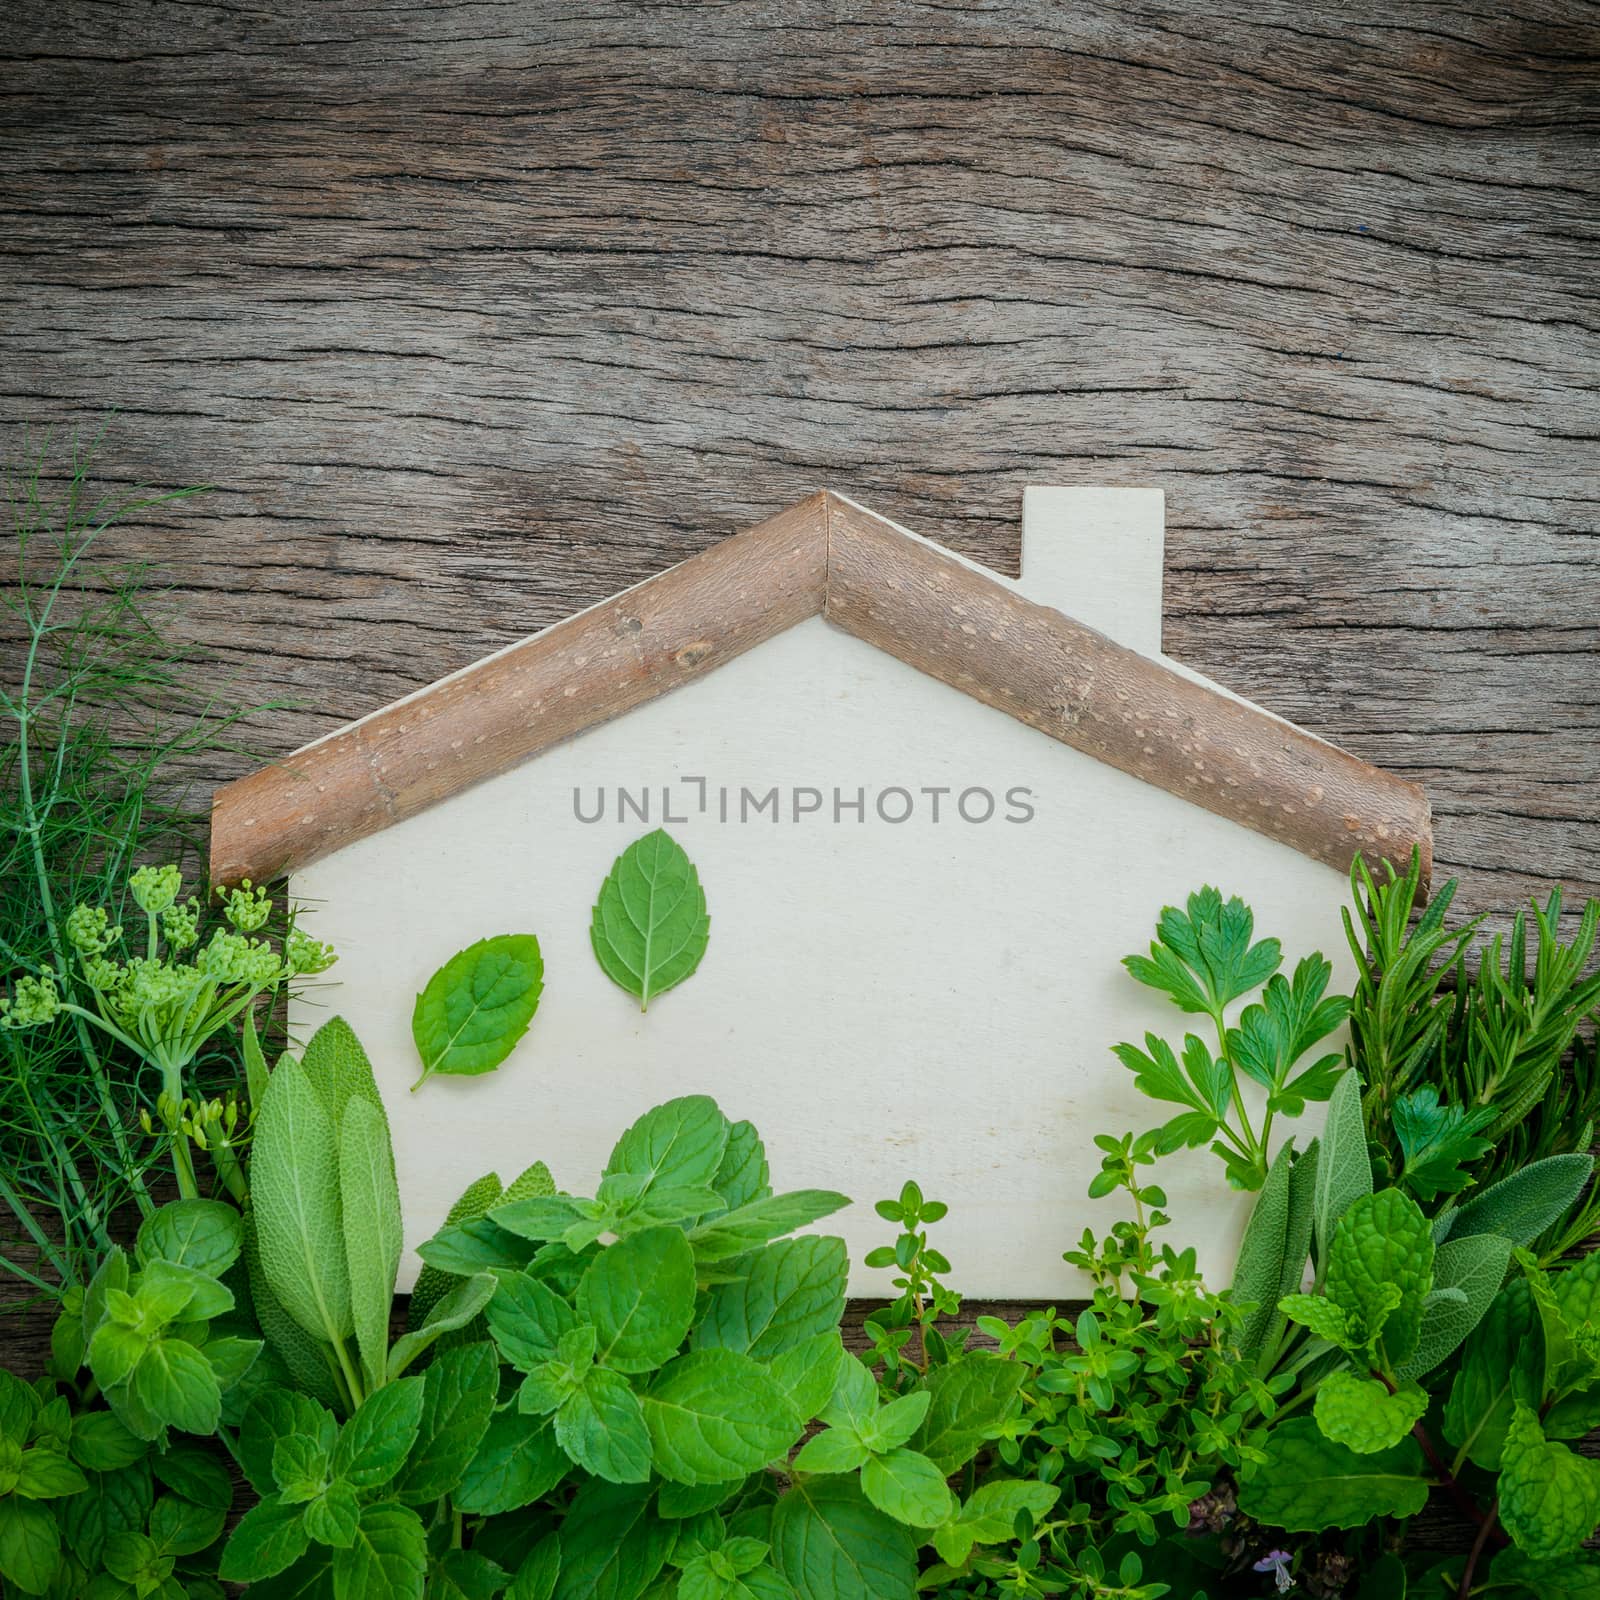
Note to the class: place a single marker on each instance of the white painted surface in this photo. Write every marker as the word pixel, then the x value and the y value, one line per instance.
pixel 884 1000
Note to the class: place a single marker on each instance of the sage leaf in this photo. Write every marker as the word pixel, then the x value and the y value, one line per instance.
pixel 650 927
pixel 477 1006
pixel 294 1193
pixel 715 1415
pixel 370 1201
pixel 190 1471
pixel 1308 1482
pixel 1475 1267
pixel 1344 1169
pixel 831 1543
pixel 1522 1206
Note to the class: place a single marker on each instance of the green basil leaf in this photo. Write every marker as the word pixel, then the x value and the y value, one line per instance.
pixel 650 928
pixel 294 1194
pixel 715 1415
pixel 370 1202
pixel 831 1543
pixel 639 1294
pixel 206 1235
pixel 1309 1482
pixel 477 1006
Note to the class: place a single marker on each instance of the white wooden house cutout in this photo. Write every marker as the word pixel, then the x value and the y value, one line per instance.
pixel 886 994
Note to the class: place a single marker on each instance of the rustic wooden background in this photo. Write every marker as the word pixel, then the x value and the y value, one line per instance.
pixel 476 312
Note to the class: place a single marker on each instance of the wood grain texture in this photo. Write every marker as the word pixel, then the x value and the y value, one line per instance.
pixel 479 312
pixel 1071 682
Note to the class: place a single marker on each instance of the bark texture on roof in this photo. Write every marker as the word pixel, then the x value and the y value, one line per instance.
pixel 824 556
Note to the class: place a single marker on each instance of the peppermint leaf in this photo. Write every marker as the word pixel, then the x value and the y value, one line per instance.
pixel 1363 1414
pixel 650 927
pixel 1307 1481
pixel 1549 1497
pixel 477 1006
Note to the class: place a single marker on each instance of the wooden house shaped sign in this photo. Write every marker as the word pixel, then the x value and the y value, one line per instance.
pixel 931 809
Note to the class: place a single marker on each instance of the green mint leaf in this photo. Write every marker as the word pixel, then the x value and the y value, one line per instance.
pixel 206 1235
pixel 971 1399
pixel 181 1528
pixel 714 1415
pixel 300 1468
pixel 466 1575
pixel 1475 1267
pixel 832 1450
pixel 175 1386
pixel 602 1427
pixel 831 1543
pixel 193 1472
pixel 1549 1496
pixel 807 1373
pixel 370 1203
pixel 30 1544
pixel 459 1391
pixel 518 1462
pixel 165 1289
pixel 477 1006
pixel 334 1517
pixel 1522 1206
pixel 101 1443
pixel 274 1415
pixel 294 1197
pixel 1309 1482
pixel 375 1442
pixel 1503 1362
pixel 650 926
pixel 1572 1577
pixel 541 1569
pixel 990 1515
pixel 908 1487
pixel 611 1544
pixel 855 1394
pixel 1363 1414
pixel 1438 1141
pixel 639 1294
pixel 735 1232
pixel 679 1144
pixel 47 1475
pixel 1382 1243
pixel 742 1176
pixel 791 1293
pixel 271 1536
pixel 891 1425
pixel 389 1556
pixel 528 1319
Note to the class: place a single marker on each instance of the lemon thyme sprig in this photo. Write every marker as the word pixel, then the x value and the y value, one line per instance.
pixel 166 1002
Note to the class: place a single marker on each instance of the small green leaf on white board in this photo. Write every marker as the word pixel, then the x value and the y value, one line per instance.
pixel 477 1006
pixel 650 925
